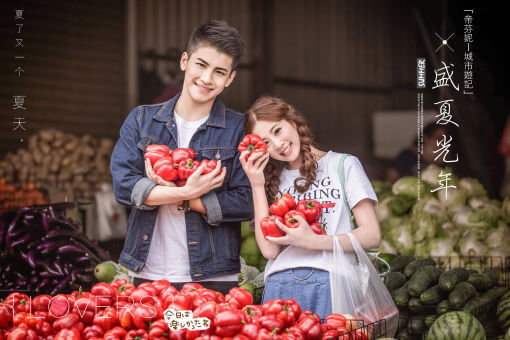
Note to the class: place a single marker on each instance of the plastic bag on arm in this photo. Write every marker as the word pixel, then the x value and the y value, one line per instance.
pixel 357 289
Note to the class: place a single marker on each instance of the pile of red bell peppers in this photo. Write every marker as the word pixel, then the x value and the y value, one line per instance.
pixel 285 209
pixel 122 311
pixel 177 165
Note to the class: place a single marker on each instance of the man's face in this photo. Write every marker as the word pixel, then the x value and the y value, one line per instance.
pixel 207 72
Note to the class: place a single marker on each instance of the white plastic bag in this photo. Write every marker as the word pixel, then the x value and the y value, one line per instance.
pixel 357 289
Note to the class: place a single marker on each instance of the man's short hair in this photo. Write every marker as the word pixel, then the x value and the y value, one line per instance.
pixel 218 34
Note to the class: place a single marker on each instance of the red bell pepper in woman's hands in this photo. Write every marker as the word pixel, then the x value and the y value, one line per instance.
pixel 166 169
pixel 252 143
pixel 182 154
pixel 270 228
pixel 311 209
pixel 187 168
pixel 290 220
pixel 282 205
pixel 155 152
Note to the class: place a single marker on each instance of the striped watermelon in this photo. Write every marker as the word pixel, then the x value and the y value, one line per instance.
pixel 456 326
pixel 503 312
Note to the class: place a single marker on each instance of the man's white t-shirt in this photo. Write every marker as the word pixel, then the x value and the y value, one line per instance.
pixel 168 254
pixel 325 189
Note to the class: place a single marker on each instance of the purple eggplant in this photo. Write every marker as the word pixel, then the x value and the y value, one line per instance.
pixel 70 248
pixel 44 282
pixel 21 240
pixel 31 259
pixel 60 286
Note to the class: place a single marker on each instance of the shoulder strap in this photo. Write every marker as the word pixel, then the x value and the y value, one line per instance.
pixel 341 176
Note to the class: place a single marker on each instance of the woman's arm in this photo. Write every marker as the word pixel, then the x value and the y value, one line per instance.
pixel 368 232
pixel 254 169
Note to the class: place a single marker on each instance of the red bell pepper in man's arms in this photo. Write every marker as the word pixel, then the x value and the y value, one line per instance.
pixel 187 168
pixel 155 152
pixel 182 154
pixel 210 165
pixel 252 143
pixel 311 209
pixel 166 169
pixel 282 205
pixel 270 228
pixel 290 220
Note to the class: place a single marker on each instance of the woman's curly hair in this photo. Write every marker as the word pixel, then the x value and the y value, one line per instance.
pixel 275 109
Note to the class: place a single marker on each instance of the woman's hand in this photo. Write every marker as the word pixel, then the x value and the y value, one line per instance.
pixel 152 175
pixel 302 236
pixel 254 166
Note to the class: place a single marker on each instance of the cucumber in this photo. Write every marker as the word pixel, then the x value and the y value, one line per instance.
pixel 415 306
pixel 413 266
pixel 429 320
pixel 495 293
pixel 394 280
pixel 485 281
pixel 449 279
pixel 432 296
pixel 462 292
pixel 442 307
pixel 416 324
pixel 403 319
pixel 400 296
pixel 422 279
pixel 472 305
pixel 400 262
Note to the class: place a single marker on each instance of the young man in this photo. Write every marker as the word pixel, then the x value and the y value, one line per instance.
pixel 189 233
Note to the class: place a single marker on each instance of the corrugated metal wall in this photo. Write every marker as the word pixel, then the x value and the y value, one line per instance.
pixel 73 68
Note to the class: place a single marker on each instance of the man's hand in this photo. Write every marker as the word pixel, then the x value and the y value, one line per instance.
pixel 152 175
pixel 198 184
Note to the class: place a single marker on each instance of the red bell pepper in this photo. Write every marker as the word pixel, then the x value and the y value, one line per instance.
pixel 160 285
pixel 311 209
pixel 206 310
pixel 252 143
pixel 293 306
pixel 310 324
pixel 270 322
pixel 105 294
pixel 137 334
pixel 278 310
pixel 6 314
pixel 22 333
pixel 265 334
pixel 335 321
pixel 19 302
pixel 336 334
pixel 166 169
pixel 182 154
pixel 270 228
pixel 239 297
pixel 86 307
pixel 123 289
pixel 187 168
pixel 143 294
pixel 68 321
pixel 240 337
pixel 282 205
pixel 155 152
pixel 116 333
pixel 93 331
pixel 293 333
pixel 251 311
pixel 43 328
pixel 41 303
pixel 318 228
pixel 166 292
pixel 290 220
pixel 210 165
pixel 159 330
pixel 106 319
pixel 143 315
pixel 251 330
pixel 228 323
pixel 60 306
pixel 28 320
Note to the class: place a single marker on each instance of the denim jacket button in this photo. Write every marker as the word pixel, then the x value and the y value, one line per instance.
pixel 218 155
pixel 136 268
pixel 145 237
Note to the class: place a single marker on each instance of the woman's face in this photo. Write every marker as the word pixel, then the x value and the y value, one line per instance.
pixel 282 140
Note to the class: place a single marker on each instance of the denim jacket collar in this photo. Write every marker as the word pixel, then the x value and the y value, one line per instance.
pixel 216 117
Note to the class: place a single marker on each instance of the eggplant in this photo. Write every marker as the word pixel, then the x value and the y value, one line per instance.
pixel 51 270
pixel 50 246
pixel 71 248
pixel 60 286
pixel 21 240
pixel 59 268
pixel 31 259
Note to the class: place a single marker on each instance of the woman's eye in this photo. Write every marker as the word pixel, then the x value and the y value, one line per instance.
pixel 277 131
pixel 267 142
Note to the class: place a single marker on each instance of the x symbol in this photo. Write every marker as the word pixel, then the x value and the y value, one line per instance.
pixel 444 42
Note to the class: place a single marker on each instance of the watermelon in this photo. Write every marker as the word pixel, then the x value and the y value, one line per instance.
pixel 456 326
pixel 503 312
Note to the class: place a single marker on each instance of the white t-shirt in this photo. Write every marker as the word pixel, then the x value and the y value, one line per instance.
pixel 168 254
pixel 325 189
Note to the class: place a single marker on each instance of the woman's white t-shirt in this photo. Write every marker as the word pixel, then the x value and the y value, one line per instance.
pixel 325 189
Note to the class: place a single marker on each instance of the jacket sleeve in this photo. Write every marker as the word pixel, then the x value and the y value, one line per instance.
pixel 130 185
pixel 235 204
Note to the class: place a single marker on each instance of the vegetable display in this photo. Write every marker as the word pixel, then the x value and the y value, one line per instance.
pixel 108 312
pixel 43 250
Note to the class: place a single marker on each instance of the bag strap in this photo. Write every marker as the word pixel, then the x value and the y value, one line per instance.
pixel 341 176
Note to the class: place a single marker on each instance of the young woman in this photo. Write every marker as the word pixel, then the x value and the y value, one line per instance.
pixel 298 262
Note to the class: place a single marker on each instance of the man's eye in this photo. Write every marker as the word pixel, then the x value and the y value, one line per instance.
pixel 200 64
pixel 220 73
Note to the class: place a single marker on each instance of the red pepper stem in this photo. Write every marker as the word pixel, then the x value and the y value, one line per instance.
pixel 276 330
pixel 309 204
pixel 250 147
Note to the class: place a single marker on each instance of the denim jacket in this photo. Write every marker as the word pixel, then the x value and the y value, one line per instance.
pixel 214 239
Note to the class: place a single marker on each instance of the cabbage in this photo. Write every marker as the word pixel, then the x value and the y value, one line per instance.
pixel 382 211
pixel 386 247
pixel 441 246
pixel 465 217
pixel 424 227
pixel 399 205
pixel 408 186
pixel 422 250
pixel 401 236
pixel 470 245
pixel 472 187
pixel 497 236
pixel 448 229
pixel 382 189
pixel 428 206
pixel 452 197
pixel 430 174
